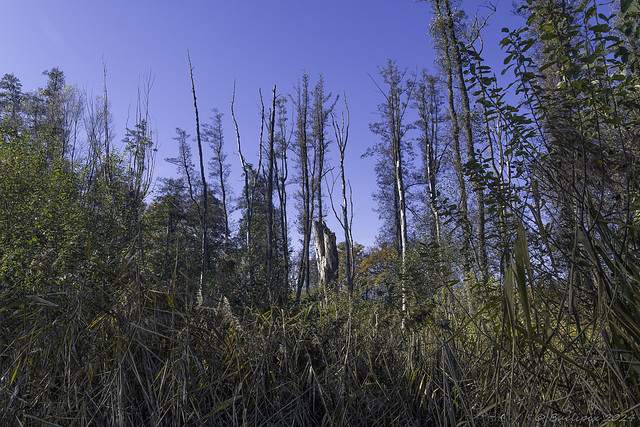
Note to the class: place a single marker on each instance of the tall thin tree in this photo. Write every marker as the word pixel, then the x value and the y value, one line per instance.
pixel 392 129
pixel 427 102
pixel 342 136
pixel 250 174
pixel 213 133
pixel 283 139
pixel 270 178
pixel 204 190
pixel 320 114
pixel 301 105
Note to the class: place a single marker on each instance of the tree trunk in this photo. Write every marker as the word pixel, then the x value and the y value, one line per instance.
pixel 342 135
pixel 326 254
pixel 282 173
pixel 250 175
pixel 198 295
pixel 270 219
pixel 217 143
pixel 430 116
pixel 302 107
pixel 396 113
pixel 245 170
pixel 468 128
pixel 455 126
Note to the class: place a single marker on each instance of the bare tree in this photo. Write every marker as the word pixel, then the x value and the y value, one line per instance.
pixel 184 163
pixel 427 102
pixel 301 105
pixel 270 177
pixel 108 123
pixel 213 133
pixel 204 190
pixel 319 120
pixel 342 136
pixel 392 129
pixel 141 150
pixel 250 174
pixel 283 139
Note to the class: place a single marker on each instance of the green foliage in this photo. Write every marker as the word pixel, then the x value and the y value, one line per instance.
pixel 40 213
pixel 574 139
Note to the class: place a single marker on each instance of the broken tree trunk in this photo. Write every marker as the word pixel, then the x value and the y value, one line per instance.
pixel 326 253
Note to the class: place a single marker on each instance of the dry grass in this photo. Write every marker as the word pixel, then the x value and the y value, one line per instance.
pixel 124 351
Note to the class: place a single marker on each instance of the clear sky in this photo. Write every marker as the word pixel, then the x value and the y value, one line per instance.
pixel 257 43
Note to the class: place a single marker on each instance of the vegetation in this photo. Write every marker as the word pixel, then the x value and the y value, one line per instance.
pixel 514 303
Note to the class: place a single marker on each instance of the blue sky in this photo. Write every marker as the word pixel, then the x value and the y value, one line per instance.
pixel 256 43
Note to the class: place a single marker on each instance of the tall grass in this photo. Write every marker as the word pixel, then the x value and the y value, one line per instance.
pixel 125 351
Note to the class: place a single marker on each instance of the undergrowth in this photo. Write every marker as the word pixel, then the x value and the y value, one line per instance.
pixel 130 352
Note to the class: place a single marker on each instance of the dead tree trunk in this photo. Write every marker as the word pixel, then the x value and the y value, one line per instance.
pixel 250 175
pixel 326 253
pixel 301 106
pixel 282 174
pixel 270 219
pixel 198 293
pixel 342 135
